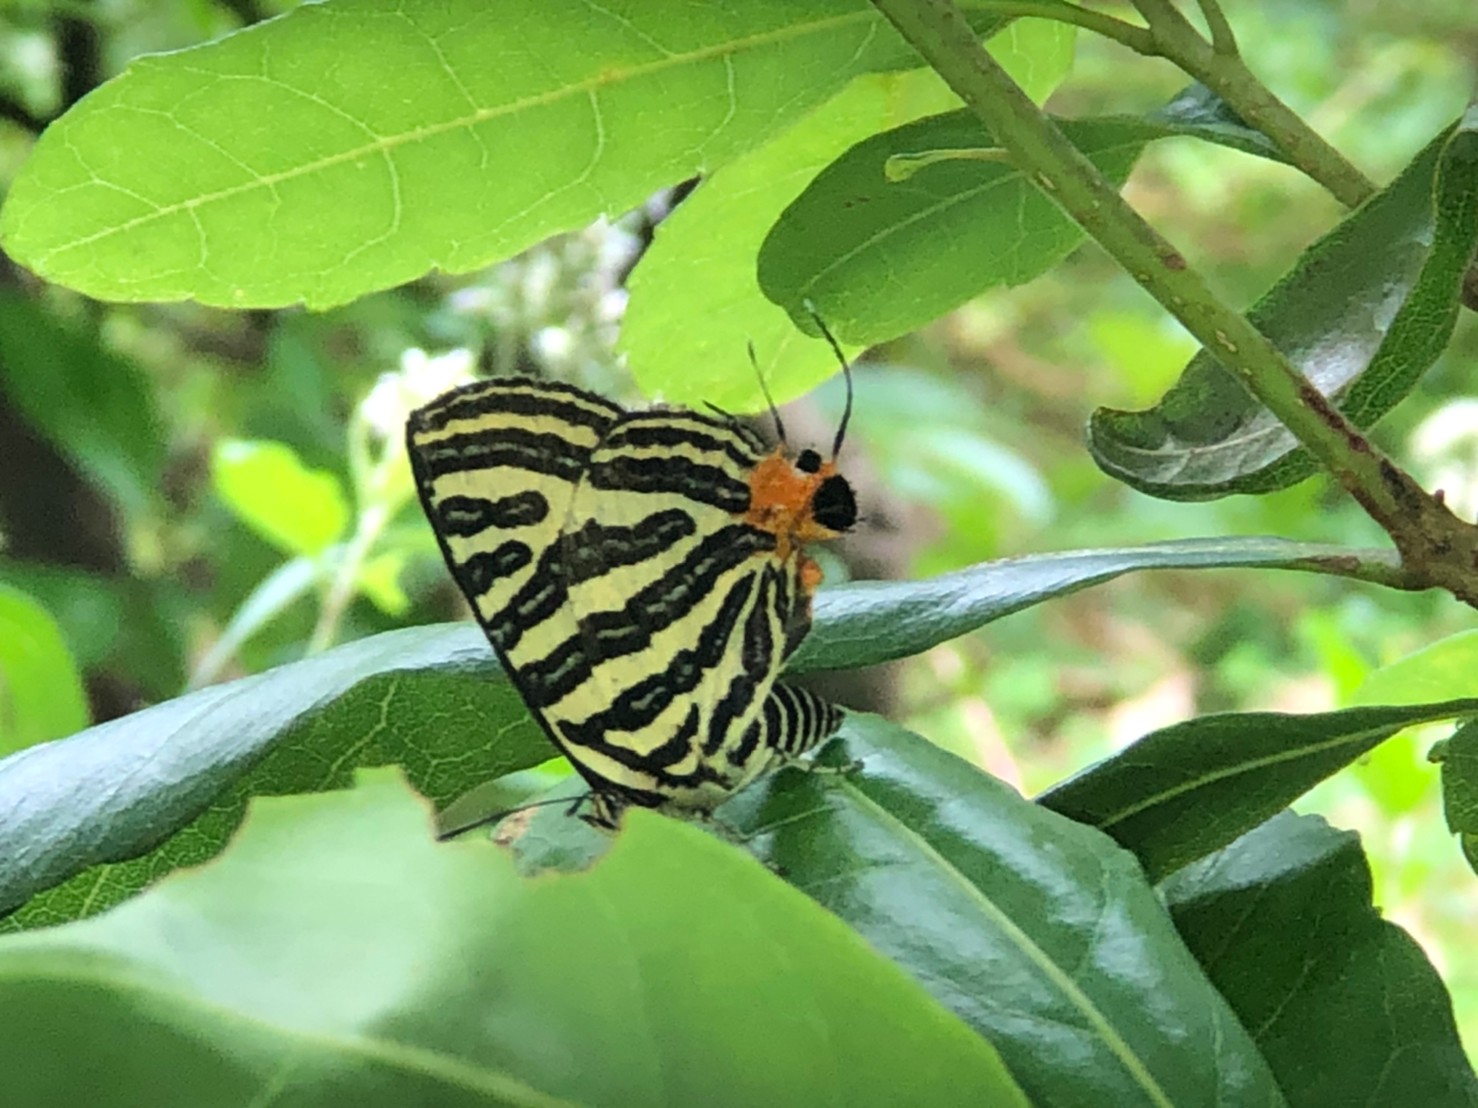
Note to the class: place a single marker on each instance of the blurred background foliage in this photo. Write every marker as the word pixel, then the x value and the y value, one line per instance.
pixel 190 494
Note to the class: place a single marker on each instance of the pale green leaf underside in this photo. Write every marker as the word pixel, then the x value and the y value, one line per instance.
pixel 345 148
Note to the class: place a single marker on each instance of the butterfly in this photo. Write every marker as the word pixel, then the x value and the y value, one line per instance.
pixel 641 575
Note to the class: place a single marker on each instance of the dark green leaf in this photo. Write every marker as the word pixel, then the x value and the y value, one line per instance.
pixel 424 698
pixel 1458 757
pixel 1197 112
pixel 92 405
pixel 337 954
pixel 1180 793
pixel 433 699
pixel 1343 1005
pixel 1363 314
pixel 881 257
pixel 1037 931
pixel 344 148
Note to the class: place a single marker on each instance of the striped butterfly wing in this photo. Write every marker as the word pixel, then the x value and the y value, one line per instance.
pixel 688 612
pixel 606 556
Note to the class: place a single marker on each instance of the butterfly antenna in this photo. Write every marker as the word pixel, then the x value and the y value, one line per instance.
pixel 836 446
pixel 760 377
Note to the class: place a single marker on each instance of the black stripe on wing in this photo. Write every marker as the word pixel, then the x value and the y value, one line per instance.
pixel 637 434
pixel 535 451
pixel 679 476
pixel 518 396
pixel 757 661
pixel 602 636
pixel 640 705
pixel 793 721
pixel 470 515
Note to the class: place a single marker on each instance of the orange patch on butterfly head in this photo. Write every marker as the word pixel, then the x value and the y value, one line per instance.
pixel 783 501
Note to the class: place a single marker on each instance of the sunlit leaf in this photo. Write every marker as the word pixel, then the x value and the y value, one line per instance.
pixel 41 695
pixel 299 510
pixel 393 970
pixel 344 148
pixel 695 300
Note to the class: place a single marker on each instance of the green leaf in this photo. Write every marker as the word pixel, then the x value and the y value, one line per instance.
pixel 1458 757
pixel 92 405
pixel 1441 670
pixel 1344 1006
pixel 1396 776
pixel 1182 792
pixel 1037 931
pixel 41 694
pixel 423 697
pixel 864 623
pixel 695 299
pixel 99 810
pixel 341 149
pixel 266 485
pixel 394 970
pixel 1363 314
pixel 881 257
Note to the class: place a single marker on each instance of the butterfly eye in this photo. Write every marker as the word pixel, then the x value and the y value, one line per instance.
pixel 808 461
pixel 834 506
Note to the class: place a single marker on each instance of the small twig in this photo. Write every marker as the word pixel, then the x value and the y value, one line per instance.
pixel 1222 39
pixel 1227 75
pixel 1135 38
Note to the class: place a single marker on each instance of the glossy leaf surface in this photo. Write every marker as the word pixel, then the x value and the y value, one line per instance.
pixel 1363 314
pixel 1180 793
pixel 1283 923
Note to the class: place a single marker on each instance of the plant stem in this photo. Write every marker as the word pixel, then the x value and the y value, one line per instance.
pixel 1421 526
pixel 1219 67
pixel 1135 38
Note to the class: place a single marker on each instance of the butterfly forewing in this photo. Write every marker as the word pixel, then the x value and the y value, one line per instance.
pixel 608 557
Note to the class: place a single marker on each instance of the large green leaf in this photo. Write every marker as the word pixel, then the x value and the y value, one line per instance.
pixel 1343 1005
pixel 695 300
pixel 1180 793
pixel 879 257
pixel 1037 931
pixel 1363 314
pixel 432 699
pixel 88 808
pixel 337 954
pixel 343 148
